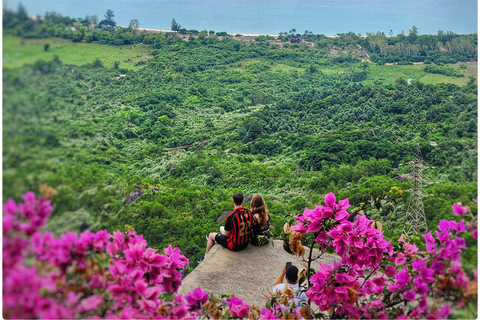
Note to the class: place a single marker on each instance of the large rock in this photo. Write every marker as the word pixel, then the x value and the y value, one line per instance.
pixel 224 215
pixel 132 196
pixel 249 274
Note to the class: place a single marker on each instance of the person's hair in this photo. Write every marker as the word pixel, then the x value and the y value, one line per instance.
pixel 238 198
pixel 257 205
pixel 292 274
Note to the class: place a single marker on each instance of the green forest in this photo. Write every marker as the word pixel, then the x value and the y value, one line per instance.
pixel 186 119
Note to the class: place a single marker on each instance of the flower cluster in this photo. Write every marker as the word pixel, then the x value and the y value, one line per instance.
pixel 375 279
pixel 86 275
pixel 103 275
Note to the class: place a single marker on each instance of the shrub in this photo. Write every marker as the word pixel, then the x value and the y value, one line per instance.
pixel 103 275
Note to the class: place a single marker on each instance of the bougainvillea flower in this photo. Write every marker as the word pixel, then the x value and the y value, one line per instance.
pixel 459 210
pixel 400 259
pixel 391 271
pixel 410 249
pixel 430 242
pixel 409 295
pixel 91 303
pixel 237 308
pixel 330 200
pixel 196 298
pixel 403 278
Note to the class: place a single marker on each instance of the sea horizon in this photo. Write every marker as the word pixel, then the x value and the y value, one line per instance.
pixel 271 17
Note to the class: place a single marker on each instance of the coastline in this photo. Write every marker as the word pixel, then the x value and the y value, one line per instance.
pixel 231 34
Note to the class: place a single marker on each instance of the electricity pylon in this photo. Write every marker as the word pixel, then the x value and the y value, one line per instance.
pixel 415 222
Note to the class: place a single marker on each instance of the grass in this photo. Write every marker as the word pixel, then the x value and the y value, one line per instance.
pixel 389 73
pixel 18 52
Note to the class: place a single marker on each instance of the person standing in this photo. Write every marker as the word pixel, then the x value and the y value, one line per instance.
pixel 237 228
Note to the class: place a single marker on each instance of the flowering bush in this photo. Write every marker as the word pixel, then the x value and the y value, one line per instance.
pixel 89 275
pixel 373 279
pixel 103 275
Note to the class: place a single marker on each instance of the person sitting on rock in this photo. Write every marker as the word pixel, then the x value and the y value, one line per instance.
pixel 291 275
pixel 237 228
pixel 260 221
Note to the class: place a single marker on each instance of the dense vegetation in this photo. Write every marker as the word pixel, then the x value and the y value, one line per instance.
pixel 290 122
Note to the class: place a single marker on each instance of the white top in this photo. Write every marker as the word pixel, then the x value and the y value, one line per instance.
pixel 300 297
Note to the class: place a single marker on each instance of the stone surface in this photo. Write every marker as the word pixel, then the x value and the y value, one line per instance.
pixel 222 218
pixel 249 274
pixel 132 196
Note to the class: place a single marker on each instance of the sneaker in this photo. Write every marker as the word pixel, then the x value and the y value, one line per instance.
pixel 206 237
pixel 200 260
pixel 222 228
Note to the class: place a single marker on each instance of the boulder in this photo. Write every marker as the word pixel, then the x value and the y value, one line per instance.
pixel 250 274
pixel 85 225
pixel 404 177
pixel 221 219
pixel 132 196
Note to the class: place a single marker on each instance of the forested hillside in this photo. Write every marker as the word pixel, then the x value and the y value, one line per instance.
pixel 291 122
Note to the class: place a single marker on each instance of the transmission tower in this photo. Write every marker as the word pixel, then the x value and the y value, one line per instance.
pixel 415 222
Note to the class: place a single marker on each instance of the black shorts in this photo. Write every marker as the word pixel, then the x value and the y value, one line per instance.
pixel 222 239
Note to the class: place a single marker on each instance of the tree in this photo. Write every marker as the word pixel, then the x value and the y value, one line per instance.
pixel 22 12
pixel 93 19
pixel 175 26
pixel 134 24
pixel 109 15
pixel 412 34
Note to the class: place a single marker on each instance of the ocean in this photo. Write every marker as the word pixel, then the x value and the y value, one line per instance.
pixel 328 17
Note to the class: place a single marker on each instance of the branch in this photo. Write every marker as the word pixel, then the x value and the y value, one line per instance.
pixel 370 274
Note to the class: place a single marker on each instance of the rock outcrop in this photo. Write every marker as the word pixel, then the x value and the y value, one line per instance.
pixel 249 274
pixel 132 197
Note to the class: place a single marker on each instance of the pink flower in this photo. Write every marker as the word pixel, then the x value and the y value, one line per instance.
pixel 196 298
pixel 376 304
pixel 438 267
pixel 400 259
pixel 266 314
pixel 379 281
pixel 391 271
pixel 91 303
pixel 330 200
pixel 134 252
pixel 392 287
pixel 409 295
pixel 444 311
pixel 237 308
pixel 410 249
pixel 430 242
pixel 72 298
pixel 341 294
pixel 345 226
pixel 459 210
pixel 419 264
pixel 403 278
pixel 100 240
